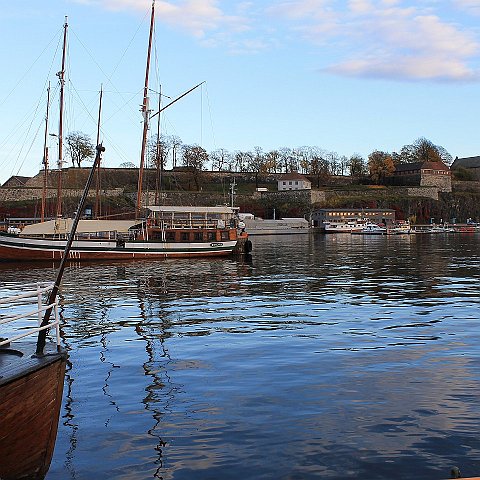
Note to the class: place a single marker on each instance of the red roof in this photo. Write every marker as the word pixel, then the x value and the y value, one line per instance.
pixel 294 176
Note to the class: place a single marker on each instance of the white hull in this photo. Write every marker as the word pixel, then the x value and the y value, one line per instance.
pixel 18 248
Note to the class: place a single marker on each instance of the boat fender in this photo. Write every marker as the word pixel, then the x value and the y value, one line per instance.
pixel 455 473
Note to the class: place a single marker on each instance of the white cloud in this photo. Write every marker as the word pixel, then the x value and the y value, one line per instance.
pixel 388 38
pixel 364 37
pixel 406 68
pixel 473 6
pixel 198 17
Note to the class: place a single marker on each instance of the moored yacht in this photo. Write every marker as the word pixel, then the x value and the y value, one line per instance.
pixel 370 229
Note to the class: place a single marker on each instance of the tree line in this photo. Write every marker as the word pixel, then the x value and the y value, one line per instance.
pixel 308 160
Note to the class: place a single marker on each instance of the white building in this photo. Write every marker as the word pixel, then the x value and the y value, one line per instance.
pixel 293 181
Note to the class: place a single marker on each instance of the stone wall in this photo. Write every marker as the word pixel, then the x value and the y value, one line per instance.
pixel 327 196
pixel 212 199
pixel 442 182
pixel 23 194
pixel 468 186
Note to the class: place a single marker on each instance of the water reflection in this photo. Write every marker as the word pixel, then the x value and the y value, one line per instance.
pixel 332 356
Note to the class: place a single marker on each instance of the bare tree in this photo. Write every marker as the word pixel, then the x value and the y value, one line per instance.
pixel 220 159
pixel 158 151
pixel 80 147
pixel 176 144
pixel 195 158
pixel 357 166
pixel 285 158
pixel 127 165
pixel 256 163
pixel 241 160
pixel 319 166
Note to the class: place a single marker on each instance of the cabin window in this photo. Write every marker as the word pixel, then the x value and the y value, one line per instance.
pixel 170 236
pixel 224 236
pixel 185 237
pixel 211 236
pixel 198 236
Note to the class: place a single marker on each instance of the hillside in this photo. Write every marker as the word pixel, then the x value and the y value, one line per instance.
pixel 183 187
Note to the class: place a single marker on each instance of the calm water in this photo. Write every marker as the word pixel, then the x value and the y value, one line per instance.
pixel 319 357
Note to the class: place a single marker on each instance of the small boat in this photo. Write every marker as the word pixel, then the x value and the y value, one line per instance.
pixel 31 386
pixel 370 229
pixel 401 227
pixel 345 226
pixel 423 229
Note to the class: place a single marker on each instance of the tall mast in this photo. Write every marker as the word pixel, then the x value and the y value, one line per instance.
pixel 61 77
pixel 145 113
pixel 159 152
pixel 45 158
pixel 98 178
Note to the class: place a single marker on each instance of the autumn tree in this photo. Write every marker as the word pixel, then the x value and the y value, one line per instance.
pixel 422 150
pixel 272 161
pixel 79 147
pixel 380 166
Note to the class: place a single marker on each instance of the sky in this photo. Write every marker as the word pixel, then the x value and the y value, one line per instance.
pixel 349 76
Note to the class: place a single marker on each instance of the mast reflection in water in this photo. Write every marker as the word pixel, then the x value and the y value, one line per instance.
pixel 321 356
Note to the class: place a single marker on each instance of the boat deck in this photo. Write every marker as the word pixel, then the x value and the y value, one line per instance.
pixel 20 361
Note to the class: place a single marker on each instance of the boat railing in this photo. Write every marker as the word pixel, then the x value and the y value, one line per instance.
pixel 186 223
pixel 28 306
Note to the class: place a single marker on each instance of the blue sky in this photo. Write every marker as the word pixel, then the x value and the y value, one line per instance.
pixel 347 76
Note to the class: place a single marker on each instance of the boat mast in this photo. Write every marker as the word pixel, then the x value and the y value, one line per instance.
pixel 61 77
pixel 45 158
pixel 98 205
pixel 159 153
pixel 145 112
pixel 42 334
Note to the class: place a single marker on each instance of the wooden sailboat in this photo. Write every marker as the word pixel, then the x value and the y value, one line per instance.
pixel 31 388
pixel 32 375
pixel 166 232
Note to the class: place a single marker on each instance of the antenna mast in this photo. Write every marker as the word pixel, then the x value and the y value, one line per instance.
pixel 145 111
